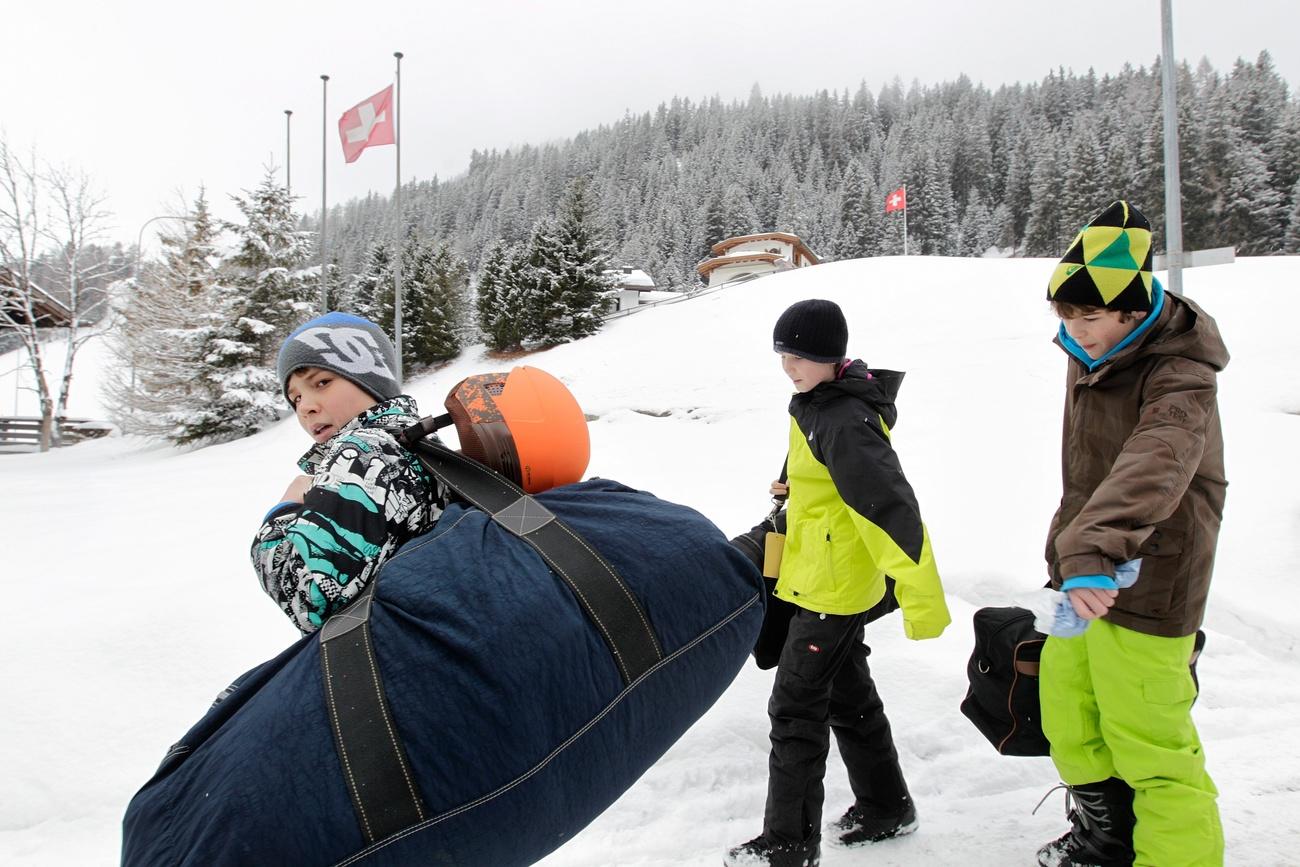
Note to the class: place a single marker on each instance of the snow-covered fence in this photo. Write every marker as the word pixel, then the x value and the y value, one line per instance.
pixel 23 433
pixel 681 296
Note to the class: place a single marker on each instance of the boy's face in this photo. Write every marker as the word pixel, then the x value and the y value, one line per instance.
pixel 1099 330
pixel 325 401
pixel 806 375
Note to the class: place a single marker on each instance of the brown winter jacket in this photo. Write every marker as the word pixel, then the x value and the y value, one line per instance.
pixel 1142 467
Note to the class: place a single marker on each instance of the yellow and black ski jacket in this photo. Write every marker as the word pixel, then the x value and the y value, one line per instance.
pixel 852 517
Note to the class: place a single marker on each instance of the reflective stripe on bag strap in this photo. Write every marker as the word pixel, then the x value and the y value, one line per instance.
pixel 374 763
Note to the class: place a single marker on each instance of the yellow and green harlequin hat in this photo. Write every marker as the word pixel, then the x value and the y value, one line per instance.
pixel 1108 263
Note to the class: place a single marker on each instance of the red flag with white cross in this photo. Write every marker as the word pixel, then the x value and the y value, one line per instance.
pixel 896 201
pixel 366 124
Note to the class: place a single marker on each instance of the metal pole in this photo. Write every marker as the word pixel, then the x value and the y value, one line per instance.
pixel 904 219
pixel 397 206
pixel 324 111
pixel 288 154
pixel 1173 176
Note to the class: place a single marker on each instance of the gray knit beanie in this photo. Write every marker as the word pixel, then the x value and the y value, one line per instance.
pixel 351 346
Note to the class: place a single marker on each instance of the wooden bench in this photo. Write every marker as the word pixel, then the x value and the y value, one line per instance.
pixel 25 431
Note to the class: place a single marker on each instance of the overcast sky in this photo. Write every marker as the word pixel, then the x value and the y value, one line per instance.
pixel 155 98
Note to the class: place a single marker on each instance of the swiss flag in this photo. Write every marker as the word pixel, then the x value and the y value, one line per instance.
pixel 369 122
pixel 896 201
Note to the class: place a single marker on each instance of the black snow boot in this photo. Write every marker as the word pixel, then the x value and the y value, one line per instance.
pixel 1101 828
pixel 867 823
pixel 763 851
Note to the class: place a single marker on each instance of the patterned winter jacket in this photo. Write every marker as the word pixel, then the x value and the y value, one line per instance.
pixel 368 497
pixel 852 517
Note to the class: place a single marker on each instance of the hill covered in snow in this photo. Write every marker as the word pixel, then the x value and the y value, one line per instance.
pixel 132 602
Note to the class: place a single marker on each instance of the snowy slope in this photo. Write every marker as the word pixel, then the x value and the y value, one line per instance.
pixel 132 602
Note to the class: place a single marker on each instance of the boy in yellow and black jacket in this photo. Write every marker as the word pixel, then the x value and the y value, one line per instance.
pixel 852 519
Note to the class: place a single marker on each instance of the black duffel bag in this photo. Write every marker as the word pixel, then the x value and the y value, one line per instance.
pixel 1002 700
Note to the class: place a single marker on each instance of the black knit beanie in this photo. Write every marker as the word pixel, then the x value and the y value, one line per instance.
pixel 812 329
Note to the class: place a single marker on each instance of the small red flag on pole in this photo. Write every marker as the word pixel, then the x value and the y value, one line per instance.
pixel 366 124
pixel 896 201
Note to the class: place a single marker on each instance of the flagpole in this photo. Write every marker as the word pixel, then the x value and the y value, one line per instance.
pixel 397 206
pixel 904 219
pixel 288 155
pixel 1173 177
pixel 324 113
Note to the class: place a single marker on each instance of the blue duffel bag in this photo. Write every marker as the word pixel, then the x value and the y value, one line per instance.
pixel 485 698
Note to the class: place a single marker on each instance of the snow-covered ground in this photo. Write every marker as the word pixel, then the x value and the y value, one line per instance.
pixel 131 601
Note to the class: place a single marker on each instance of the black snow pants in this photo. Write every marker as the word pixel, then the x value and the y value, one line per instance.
pixel 822 685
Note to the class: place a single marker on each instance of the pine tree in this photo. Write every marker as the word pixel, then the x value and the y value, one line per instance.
pixel 1252 208
pixel 265 291
pixel 976 228
pixel 1291 242
pixel 501 314
pixel 860 215
pixel 1043 230
pixel 367 286
pixel 269 266
pixel 446 285
pixel 584 288
pixel 1084 183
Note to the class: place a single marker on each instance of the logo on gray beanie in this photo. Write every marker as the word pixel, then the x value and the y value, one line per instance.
pixel 351 346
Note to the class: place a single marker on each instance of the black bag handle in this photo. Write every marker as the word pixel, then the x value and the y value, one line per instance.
pixel 600 590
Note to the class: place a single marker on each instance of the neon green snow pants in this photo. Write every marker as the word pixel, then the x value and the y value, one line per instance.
pixel 1117 703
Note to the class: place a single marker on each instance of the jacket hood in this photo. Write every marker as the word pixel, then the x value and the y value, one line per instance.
pixel 1189 332
pixel 393 415
pixel 878 388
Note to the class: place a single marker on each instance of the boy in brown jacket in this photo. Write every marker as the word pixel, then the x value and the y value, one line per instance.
pixel 1143 480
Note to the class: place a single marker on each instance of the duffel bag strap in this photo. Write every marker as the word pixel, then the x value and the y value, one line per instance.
pixel 599 589
pixel 374 763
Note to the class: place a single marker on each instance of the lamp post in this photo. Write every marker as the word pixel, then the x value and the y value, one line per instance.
pixel 135 272
pixel 139 240
pixel 288 155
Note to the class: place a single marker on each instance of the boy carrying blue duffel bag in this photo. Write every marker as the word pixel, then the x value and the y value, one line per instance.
pixel 503 679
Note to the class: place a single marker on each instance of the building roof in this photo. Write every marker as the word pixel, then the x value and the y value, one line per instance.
pixel 795 241
pixel 709 265
pixel 631 278
pixel 49 311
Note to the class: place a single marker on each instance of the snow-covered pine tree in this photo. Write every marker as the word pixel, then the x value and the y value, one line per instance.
pixel 415 277
pixel 264 291
pixel 269 266
pixel 860 215
pixel 1291 243
pixel 498 308
pixel 1043 229
pixel 366 286
pixel 446 281
pixel 565 289
pixel 585 289
pixel 977 229
pixel 1252 208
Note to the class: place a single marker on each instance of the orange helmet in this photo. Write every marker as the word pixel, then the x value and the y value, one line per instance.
pixel 524 424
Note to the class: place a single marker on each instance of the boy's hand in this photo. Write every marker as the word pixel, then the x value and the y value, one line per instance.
pixel 296 489
pixel 779 489
pixel 1091 602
